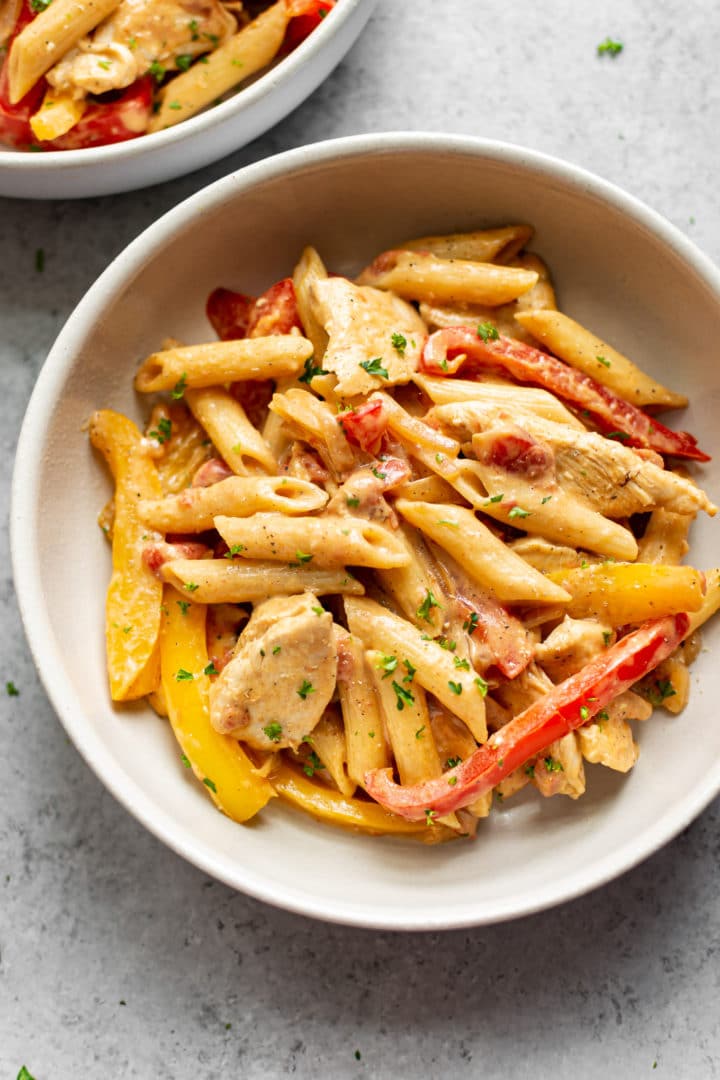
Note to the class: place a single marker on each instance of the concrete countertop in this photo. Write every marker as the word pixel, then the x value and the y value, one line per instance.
pixel 118 959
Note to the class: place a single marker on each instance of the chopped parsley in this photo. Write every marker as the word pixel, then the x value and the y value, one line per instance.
pixel 603 361
pixel 184 676
pixel 488 332
pixel 210 784
pixel 157 71
pixel 163 431
pixel 452 762
pixel 451 524
pixel 452 781
pixel 311 371
pixel 423 612
pixel 530 770
pixel 621 435
pixel 305 690
pixel 399 343
pixel 552 765
pixel 104 64
pixel 24 1074
pixel 429 815
pixel 481 685
pixel 545 500
pixel 380 475
pixel 471 623
pixel 494 499
pixel 193 28
pixel 38 6
pixel 211 669
pixel 608 47
pixel 179 388
pixel 607 636
pixel 461 663
pixel 174 105
pixel 303 557
pixel 449 646
pixel 273 732
pixel 375 367
pixel 352 501
pixel 277 649
pixel 410 671
pixel 191 586
pixel 11 689
pixel 419 732
pixel 234 550
pixel 40 260
pixel 183 605
pixel 403 696
pixel 387 664
pixel 456 687
pixel 659 691
pixel 603 715
pixel 183 61
pixel 518 512
pixel 313 764
pixel 584 712
pixel 186 761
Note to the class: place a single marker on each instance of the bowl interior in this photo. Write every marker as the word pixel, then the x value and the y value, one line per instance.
pixel 616 267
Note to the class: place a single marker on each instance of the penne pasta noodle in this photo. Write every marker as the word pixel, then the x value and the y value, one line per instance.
pixel 459 689
pixel 583 350
pixel 48 37
pixel 417 276
pixel 193 510
pixel 240 444
pixel 245 53
pixel 316 423
pixel 518 399
pixel 222 362
pixel 322 541
pixel 483 245
pixel 483 556
pixel 665 538
pixel 365 741
pixel 410 585
pixel 328 743
pixel 214 581
pixel 309 270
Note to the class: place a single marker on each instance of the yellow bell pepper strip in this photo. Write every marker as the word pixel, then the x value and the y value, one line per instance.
pixel 566 707
pixel 132 612
pixel 330 806
pixel 219 762
pixel 447 350
pixel 622 593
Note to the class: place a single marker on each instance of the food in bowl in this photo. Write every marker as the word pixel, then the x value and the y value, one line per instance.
pixel 377 533
pixel 82 73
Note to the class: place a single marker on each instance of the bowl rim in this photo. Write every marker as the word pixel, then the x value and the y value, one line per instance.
pixel 28 467
pixel 243 100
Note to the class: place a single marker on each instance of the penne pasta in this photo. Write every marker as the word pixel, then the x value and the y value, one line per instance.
pixel 417 276
pixel 240 444
pixel 484 245
pixel 194 509
pixel 518 399
pixel 324 542
pixel 309 270
pixel 214 581
pixel 222 362
pixel 365 741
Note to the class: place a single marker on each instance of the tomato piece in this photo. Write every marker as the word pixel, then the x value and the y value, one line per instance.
pixel 229 313
pixel 566 707
pixel 276 311
pixel 447 350
pixel 306 16
pixel 365 426
pixel 15 127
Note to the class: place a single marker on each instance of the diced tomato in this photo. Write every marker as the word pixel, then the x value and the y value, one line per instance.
pixel 365 426
pixel 447 350
pixel 157 554
pixel 306 16
pixel 229 313
pixel 566 707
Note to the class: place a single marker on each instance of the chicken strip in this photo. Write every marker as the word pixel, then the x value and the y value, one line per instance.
pixel 282 676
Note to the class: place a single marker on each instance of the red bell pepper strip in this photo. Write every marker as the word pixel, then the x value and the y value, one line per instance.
pixel 15 127
pixel 567 707
pixel 306 16
pixel 447 350
pixel 105 122
pixel 235 315
pixel 229 313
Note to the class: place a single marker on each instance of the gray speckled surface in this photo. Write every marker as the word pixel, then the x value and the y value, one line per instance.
pixel 117 959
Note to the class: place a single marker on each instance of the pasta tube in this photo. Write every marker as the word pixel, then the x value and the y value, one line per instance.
pixel 364 730
pixel 483 556
pixel 417 276
pixel 583 350
pixel 193 510
pixel 235 785
pixel 483 245
pixel 324 541
pixel 223 361
pixel 239 443
pixel 48 37
pixel 213 581
pixel 246 52
pixel 132 611
pixel 516 399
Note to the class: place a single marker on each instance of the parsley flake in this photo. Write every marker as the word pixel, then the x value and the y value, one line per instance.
pixel 660 690
pixel 429 815
pixel 186 761
pixel 303 557
pixel 183 61
pixel 313 764
pixel 481 685
pixel 179 388
pixel 530 770
pixel 423 612
pixel 488 332
pixel 603 361
pixel 419 732
pixel 387 664
pixel 163 431
pixel 452 781
pixel 375 367
pixel 183 605
pixel 40 260
pixel 211 669
pixel 12 690
pixel 319 610
pixel 552 765
pixel 352 501
pixel 452 762
pixel 277 649
pixel 157 71
pixel 273 732
pixel 305 690
pixel 184 676
pixel 311 371
pixel 403 696
pixel 494 499
pixel 621 435
pixel 191 586
pixel 584 712
pixel 410 671
pixel 461 663
pixel 608 47
pixel 456 687
pixel 545 500
pixel 471 623
pixel 380 475
pixel 233 550
pixel 518 512
pixel 210 784
pixel 399 343
pixel 24 1074
pixel 38 6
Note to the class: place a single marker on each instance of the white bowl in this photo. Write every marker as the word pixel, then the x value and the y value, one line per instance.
pixel 150 159
pixel 617 265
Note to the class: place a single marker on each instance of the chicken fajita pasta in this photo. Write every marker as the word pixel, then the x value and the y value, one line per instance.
pixel 81 73
pixel 393 549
